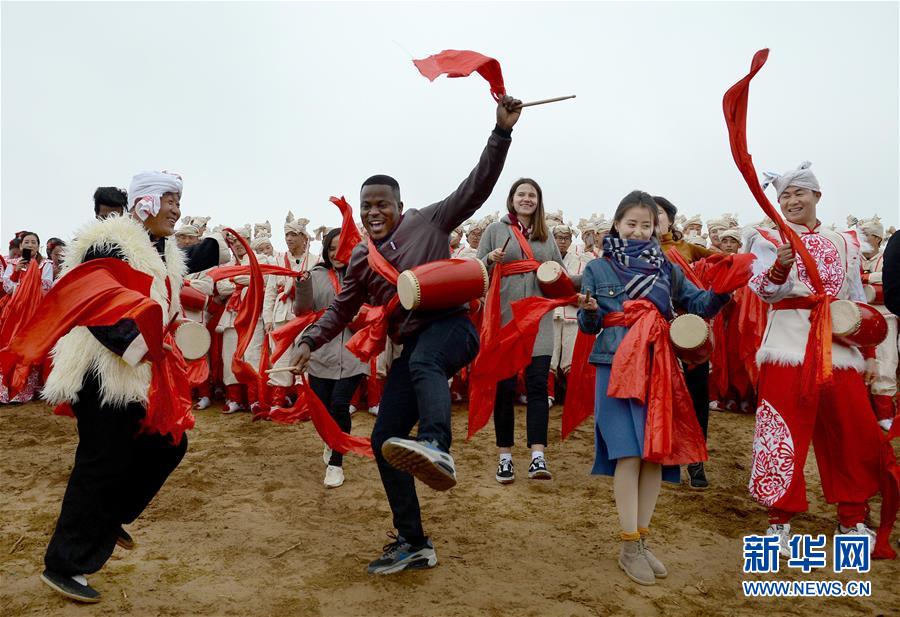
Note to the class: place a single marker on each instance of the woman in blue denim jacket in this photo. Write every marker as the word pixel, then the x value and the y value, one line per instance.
pixel 632 267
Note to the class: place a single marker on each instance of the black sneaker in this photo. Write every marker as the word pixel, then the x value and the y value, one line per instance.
pixel 67 586
pixel 538 469
pixel 401 555
pixel 506 473
pixel 422 459
pixel 125 540
pixel 697 476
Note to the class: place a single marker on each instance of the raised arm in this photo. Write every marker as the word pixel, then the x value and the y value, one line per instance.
pixel 461 204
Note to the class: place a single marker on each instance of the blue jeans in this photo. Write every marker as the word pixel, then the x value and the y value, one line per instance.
pixel 417 391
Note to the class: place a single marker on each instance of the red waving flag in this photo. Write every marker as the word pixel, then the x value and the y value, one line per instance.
pixel 350 236
pixel 462 63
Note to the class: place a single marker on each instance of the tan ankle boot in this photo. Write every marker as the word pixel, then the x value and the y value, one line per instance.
pixel 633 561
pixel 659 570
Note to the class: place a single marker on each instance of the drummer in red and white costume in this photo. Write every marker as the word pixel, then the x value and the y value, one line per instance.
pixel 565 318
pixel 278 306
pixel 591 247
pixel 473 235
pixel 848 450
pixel 232 292
pixel 884 387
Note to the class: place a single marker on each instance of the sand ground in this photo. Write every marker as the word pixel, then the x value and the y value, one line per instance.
pixel 247 491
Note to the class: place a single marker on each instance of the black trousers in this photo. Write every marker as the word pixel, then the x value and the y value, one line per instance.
pixel 416 390
pixel 117 473
pixel 336 395
pixel 697 380
pixel 538 408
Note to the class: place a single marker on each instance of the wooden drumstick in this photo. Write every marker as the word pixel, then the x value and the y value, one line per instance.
pixel 545 101
pixel 283 369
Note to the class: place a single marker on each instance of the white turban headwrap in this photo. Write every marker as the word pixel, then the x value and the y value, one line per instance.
pixel 802 177
pixel 188 230
pixel 260 241
pixel 694 220
pixel 565 229
pixel 297 226
pixel 871 227
pixel 147 187
pixel 734 234
pixel 716 224
pixel 244 231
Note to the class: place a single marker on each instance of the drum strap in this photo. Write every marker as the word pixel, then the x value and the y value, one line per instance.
pixel 817 367
pixel 645 368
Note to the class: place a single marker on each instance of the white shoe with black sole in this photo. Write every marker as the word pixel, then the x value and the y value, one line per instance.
pixel 538 469
pixel 423 460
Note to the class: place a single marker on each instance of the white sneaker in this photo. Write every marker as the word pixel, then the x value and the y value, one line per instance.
pixel 203 403
pixel 233 407
pixel 523 399
pixel 550 401
pixel 784 537
pixel 353 409
pixel 326 455
pixel 334 476
pixel 373 410
pixel 886 424
pixel 859 530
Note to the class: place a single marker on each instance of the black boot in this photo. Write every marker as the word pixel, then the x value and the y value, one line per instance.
pixel 697 476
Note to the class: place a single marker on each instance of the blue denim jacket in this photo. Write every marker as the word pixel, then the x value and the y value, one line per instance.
pixel 602 282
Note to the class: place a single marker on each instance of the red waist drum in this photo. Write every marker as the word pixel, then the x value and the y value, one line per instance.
pixel 192 299
pixel 442 284
pixel 691 339
pixel 874 293
pixel 857 324
pixel 554 282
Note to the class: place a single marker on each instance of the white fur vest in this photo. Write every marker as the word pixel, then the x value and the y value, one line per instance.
pixel 79 351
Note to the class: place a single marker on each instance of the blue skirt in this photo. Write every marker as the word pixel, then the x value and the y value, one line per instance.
pixel 619 430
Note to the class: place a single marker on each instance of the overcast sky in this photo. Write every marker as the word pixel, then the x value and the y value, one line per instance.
pixel 268 107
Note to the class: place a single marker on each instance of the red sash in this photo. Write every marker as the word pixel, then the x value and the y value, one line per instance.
pixel 370 339
pixel 672 435
pixel 102 292
pixel 492 363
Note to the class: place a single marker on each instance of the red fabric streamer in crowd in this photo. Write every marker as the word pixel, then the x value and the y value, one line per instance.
pixel 248 316
pixel 284 336
pixel 817 367
pixel 371 338
pixel 491 365
pixel 225 272
pixel 308 404
pixel 101 292
pixel 22 304
pixel 350 235
pixel 462 63
pixel 580 392
pixel 672 435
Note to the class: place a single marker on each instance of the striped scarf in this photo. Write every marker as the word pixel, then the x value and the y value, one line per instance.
pixel 642 268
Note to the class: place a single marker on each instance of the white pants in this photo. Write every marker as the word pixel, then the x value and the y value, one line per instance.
pixel 886 354
pixel 288 358
pixel 229 345
pixel 564 333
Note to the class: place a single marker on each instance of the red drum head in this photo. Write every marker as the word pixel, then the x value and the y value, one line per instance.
pixel 857 324
pixel 691 338
pixel 846 318
pixel 192 339
pixel 554 281
pixel 442 284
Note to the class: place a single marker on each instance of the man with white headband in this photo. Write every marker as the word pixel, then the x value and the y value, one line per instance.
pixel 278 305
pixel 791 413
pixel 187 235
pixel 884 387
pixel 103 373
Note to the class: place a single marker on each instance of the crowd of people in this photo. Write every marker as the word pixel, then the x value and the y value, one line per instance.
pixel 634 268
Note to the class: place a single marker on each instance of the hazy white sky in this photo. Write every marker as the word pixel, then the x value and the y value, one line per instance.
pixel 265 107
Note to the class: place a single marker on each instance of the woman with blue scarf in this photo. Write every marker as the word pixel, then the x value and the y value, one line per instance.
pixel 644 422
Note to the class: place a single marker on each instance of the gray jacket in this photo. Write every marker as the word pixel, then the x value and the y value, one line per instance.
pixel 332 360
pixel 518 286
